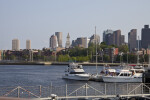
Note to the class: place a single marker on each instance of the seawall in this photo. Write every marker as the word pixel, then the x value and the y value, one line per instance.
pixel 61 63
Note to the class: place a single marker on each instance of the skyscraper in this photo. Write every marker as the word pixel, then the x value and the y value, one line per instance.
pixel 122 39
pixel 145 37
pixel 15 44
pixel 109 39
pixel 106 35
pixel 113 37
pixel 68 41
pixel 86 42
pixel 53 42
pixel 94 38
pixel 59 38
pixel 28 44
pixel 117 37
pixel 81 42
pixel 132 39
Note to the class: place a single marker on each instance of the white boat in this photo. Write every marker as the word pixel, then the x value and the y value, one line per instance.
pixel 98 76
pixel 75 72
pixel 124 76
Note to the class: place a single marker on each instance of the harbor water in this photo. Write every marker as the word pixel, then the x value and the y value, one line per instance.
pixel 32 75
pixel 34 81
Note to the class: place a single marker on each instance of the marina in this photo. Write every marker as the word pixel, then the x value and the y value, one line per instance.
pixel 74 50
pixel 40 82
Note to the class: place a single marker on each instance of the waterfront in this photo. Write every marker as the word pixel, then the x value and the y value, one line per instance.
pixel 40 81
pixel 29 75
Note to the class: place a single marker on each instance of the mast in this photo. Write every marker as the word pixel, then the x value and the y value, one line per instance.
pixel 96 50
pixel 149 56
pixel 138 52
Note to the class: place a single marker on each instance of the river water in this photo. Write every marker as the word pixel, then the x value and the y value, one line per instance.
pixel 32 75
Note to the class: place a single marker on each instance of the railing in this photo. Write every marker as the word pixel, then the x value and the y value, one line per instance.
pixel 77 91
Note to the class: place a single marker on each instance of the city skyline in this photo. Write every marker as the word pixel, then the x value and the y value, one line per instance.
pixel 22 20
pixel 101 37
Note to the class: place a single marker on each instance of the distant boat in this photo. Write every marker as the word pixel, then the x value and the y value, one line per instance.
pixel 133 75
pixel 76 72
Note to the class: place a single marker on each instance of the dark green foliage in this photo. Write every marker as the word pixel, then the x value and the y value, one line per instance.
pixel 123 48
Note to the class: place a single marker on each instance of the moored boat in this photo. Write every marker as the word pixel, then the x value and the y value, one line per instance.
pixel 76 72
pixel 124 75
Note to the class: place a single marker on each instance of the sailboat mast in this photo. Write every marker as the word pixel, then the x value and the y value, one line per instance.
pixel 149 56
pixel 96 50
pixel 138 52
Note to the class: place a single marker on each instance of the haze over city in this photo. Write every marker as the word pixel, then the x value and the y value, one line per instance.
pixel 38 20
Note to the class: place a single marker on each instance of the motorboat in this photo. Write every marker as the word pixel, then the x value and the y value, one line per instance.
pixel 98 76
pixel 124 75
pixel 75 72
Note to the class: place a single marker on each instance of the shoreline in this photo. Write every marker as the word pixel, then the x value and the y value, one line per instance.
pixel 62 63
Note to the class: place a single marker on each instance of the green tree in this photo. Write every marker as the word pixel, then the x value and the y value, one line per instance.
pixel 123 48
pixel 132 58
pixel 13 57
pixel 63 58
pixel 106 58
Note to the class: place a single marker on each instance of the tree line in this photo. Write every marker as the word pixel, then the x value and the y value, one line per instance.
pixel 79 54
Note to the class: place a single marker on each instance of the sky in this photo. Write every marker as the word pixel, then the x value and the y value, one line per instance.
pixel 37 20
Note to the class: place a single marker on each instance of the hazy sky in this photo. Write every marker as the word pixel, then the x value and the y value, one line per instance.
pixel 37 20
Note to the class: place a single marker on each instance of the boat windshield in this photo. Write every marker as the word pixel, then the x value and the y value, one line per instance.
pixel 125 74
pixel 137 71
pixel 77 72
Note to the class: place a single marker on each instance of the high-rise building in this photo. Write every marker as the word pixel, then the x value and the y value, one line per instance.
pixel 132 39
pixel 122 39
pixel 28 44
pixel 59 38
pixel 106 35
pixel 117 37
pixel 86 41
pixel 109 39
pixel 113 37
pixel 15 44
pixel 138 44
pixel 94 38
pixel 81 42
pixel 68 41
pixel 53 42
pixel 145 37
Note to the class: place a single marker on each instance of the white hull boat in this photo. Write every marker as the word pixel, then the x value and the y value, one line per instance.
pixel 122 79
pixel 124 76
pixel 77 77
pixel 96 77
pixel 76 72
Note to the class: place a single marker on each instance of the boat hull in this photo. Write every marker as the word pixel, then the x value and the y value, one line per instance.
pixel 122 79
pixel 75 77
pixel 96 78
